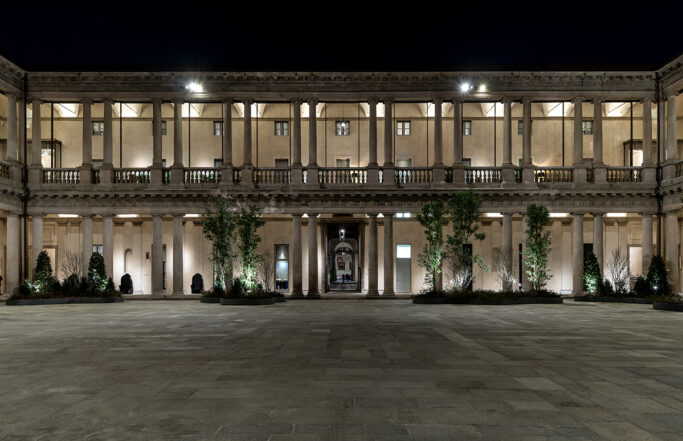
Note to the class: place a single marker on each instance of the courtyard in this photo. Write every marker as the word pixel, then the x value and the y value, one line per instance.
pixel 340 370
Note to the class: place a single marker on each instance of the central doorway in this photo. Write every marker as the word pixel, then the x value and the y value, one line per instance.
pixel 343 257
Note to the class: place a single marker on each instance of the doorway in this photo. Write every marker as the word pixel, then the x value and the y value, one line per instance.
pixel 342 263
pixel 403 267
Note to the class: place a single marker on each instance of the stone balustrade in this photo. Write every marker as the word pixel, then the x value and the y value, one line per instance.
pixel 202 175
pixel 624 174
pixel 131 176
pixel 482 175
pixel 61 176
pixel 553 174
pixel 272 175
pixel 345 175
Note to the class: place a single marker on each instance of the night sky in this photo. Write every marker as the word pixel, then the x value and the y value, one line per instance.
pixel 342 36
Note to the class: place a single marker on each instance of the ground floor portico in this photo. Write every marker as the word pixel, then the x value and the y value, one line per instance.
pixel 340 370
pixel 309 253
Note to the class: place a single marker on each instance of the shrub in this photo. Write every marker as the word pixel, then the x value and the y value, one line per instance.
pixel 642 288
pixel 656 276
pixel 97 273
pixel 238 288
pixel 247 229
pixel 126 286
pixel 537 243
pixel 42 274
pixel 71 284
pixel 591 273
pixel 110 288
pixel 605 289
pixel 25 289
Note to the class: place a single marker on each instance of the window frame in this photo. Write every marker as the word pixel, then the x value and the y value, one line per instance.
pixel 520 126
pixel 218 128
pixel 585 123
pixel 99 132
pixel 401 127
pixel 467 126
pixel 284 128
pixel 345 131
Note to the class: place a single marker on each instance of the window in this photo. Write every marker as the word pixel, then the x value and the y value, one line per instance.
pixel 99 249
pixel 405 215
pixel 343 162
pixel 520 127
pixel 281 128
pixel 403 128
pixel 587 127
pixel 467 128
pixel 217 163
pixel 98 128
pixel 163 128
pixel 343 128
pixel 163 163
pixel 218 128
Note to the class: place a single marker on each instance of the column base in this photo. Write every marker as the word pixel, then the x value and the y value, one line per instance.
pixel 155 175
pixel 649 174
pixel 85 174
pixel 227 175
pixel 580 175
pixel 388 294
pixel 297 295
pixel 458 174
pixel 296 174
pixel 508 174
pixel 668 171
pixel 439 174
pixel 35 174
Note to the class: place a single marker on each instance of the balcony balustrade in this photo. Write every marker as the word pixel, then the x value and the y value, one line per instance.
pixel 624 174
pixel 268 175
pixel 61 176
pixel 553 175
pixel 345 175
pixel 4 170
pixel 413 175
pixel 236 175
pixel 482 175
pixel 131 176
pixel 679 169
pixel 202 175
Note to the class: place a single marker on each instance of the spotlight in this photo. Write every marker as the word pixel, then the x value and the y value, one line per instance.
pixel 465 87
pixel 482 88
pixel 194 87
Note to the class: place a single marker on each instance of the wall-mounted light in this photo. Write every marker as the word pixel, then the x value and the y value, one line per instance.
pixel 558 214
pixel 465 87
pixel 616 214
pixel 192 215
pixel 67 215
pixel 126 216
pixel 195 87
pixel 494 215
pixel 482 88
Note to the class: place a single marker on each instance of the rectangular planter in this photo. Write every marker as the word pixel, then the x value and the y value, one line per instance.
pixel 63 301
pixel 248 301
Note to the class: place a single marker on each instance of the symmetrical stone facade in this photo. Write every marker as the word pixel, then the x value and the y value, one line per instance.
pixel 353 151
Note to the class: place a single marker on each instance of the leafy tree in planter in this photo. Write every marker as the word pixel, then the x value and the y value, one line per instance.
pixel 464 208
pixel 537 243
pixel 97 273
pixel 433 218
pixel 591 273
pixel 42 275
pixel 219 227
pixel 247 229
pixel 656 276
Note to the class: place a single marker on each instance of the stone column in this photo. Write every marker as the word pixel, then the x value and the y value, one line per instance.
pixel 600 172
pixel 12 153
pixel 21 132
pixel 506 248
pixel 157 257
pixel 297 286
pixel 13 254
pixel 106 170
pixel 36 167
pixel 672 138
pixel 86 167
pixel 508 171
pixel 388 142
pixel 313 292
pixel 36 239
pixel 439 171
pixel 247 133
pixel 526 285
pixel 577 255
pixel 373 167
pixel 672 243
pixel 528 168
pixel 177 169
pixel 597 240
pixel 373 261
pixel 296 167
pixel 86 231
pixel 579 170
pixel 108 243
pixel 458 169
pixel 156 170
pixel 312 168
pixel 647 242
pixel 649 171
pixel 227 133
pixel 389 255
pixel 178 255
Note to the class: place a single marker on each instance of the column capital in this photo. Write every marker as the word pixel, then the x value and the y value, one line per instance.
pixel 597 100
pixel 577 99
pixel 86 100
pixel 297 100
pixel 527 99
pixel 314 215
pixel 388 100
pixel 107 100
pixel 178 101
pixel 178 215
pixel 372 214
pixel 507 100
pixel 646 100
pixel 156 100
pixel 227 100
pixel 388 215
pixel 438 100
pixel 373 100
pixel 312 101
pixel 247 101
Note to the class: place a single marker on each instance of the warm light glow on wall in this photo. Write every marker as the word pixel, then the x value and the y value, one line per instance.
pixel 126 215
pixel 617 214
pixel 67 110
pixel 559 214
pixel 67 215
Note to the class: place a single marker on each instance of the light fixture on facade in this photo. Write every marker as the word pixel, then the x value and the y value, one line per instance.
pixel 616 214
pixel 126 216
pixel 195 87
pixel 558 214
pixel 482 88
pixel 192 215
pixel 465 87
pixel 494 215
pixel 68 216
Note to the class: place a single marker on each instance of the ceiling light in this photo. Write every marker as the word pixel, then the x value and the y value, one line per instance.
pixel 482 88
pixel 465 87
pixel 617 214
pixel 195 87
pixel 494 215
pixel 559 214
pixel 67 215
pixel 126 215
pixel 192 215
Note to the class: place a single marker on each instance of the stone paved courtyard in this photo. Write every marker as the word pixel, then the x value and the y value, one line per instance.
pixel 340 370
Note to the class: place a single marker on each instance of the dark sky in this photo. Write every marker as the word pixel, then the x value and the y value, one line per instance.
pixel 342 36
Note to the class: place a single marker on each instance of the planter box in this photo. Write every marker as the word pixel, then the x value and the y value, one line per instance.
pixel 62 301
pixel 520 301
pixel 678 307
pixel 210 299
pixel 239 302
pixel 279 299
pixel 607 299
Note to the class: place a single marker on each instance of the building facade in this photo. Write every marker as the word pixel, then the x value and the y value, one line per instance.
pixel 340 162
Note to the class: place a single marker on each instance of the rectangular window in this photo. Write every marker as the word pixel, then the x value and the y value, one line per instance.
pixel 281 267
pixel 405 215
pixel 218 128
pixel 98 128
pixel 343 128
pixel 403 128
pixel 99 249
pixel 520 127
pixel 217 163
pixel 343 163
pixel 163 128
pixel 403 251
pixel 281 128
pixel 587 127
pixel 467 128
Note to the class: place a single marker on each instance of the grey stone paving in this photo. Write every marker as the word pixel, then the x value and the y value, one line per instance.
pixel 340 370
